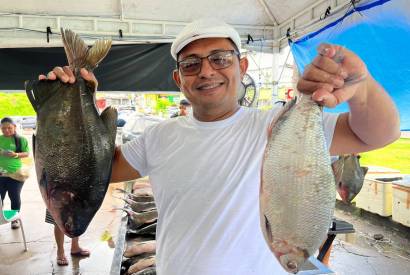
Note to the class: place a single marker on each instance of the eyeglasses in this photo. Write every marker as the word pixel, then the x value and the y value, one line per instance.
pixel 219 60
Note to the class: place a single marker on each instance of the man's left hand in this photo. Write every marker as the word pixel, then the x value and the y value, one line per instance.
pixel 334 76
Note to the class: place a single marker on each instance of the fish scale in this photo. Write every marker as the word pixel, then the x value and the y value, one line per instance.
pixel 297 193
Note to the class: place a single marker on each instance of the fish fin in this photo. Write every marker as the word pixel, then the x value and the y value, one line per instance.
pixel 364 169
pixel 109 118
pixel 30 94
pixel 268 229
pixel 337 168
pixel 97 53
pixel 283 110
pixel 75 49
pixel 39 91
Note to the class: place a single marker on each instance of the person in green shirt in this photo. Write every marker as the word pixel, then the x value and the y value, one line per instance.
pixel 10 162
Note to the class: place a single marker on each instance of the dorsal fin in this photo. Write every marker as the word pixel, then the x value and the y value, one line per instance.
pixel 79 55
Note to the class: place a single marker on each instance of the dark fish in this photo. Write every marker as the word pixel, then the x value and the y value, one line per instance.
pixel 137 248
pixel 147 271
pixel 142 230
pixel 140 206
pixel 135 258
pixel 349 176
pixel 141 265
pixel 74 143
pixel 142 217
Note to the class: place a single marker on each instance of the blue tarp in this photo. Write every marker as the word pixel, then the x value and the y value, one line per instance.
pixel 379 32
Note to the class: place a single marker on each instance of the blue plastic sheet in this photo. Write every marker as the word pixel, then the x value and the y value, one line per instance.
pixel 379 32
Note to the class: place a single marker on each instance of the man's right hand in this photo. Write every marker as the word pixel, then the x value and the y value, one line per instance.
pixel 64 74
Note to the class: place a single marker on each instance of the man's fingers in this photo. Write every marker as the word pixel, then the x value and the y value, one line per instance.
pixel 306 86
pixel 88 76
pixel 329 65
pixel 60 74
pixel 313 73
pixel 51 76
pixel 325 98
pixel 69 73
pixel 42 77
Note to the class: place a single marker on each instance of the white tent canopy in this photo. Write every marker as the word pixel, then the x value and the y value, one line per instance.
pixel 24 23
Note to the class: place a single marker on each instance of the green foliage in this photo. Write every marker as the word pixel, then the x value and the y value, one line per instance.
pixel 395 156
pixel 15 104
pixel 162 105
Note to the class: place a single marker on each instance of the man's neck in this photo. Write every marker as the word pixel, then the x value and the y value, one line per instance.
pixel 215 116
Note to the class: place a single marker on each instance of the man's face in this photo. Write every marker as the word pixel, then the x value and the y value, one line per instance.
pixel 211 90
pixel 183 110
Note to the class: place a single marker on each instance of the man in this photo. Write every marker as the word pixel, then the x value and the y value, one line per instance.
pixel 184 107
pixel 205 182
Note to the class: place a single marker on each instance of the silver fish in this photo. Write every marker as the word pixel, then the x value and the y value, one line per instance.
pixel 297 191
pixel 74 144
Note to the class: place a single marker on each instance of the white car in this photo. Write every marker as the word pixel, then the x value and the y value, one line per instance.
pixel 28 122
pixel 136 125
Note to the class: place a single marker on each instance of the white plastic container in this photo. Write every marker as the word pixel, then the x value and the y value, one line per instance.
pixel 401 201
pixel 376 194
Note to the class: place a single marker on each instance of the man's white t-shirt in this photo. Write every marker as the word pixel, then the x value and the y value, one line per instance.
pixel 205 178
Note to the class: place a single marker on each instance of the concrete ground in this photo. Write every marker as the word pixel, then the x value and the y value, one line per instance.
pixel 41 255
pixel 360 253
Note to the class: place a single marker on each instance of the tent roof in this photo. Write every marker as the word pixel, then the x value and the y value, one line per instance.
pixel 24 23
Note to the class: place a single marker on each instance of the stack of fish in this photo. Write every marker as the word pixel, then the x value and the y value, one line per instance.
pixel 139 253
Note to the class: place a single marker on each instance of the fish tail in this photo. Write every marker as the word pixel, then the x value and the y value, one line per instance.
pixel 75 49
pixel 79 55
pixel 97 53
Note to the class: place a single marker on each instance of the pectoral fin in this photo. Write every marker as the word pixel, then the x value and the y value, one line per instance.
pixel 109 117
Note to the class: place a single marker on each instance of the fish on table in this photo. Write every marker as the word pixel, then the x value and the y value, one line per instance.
pixel 74 143
pixel 142 264
pixel 140 218
pixel 297 190
pixel 137 248
pixel 349 176
pixel 147 271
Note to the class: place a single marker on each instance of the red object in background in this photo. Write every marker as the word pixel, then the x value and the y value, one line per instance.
pixel 101 103
pixel 290 94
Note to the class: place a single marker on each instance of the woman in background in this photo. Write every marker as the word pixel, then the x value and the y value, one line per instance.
pixel 12 149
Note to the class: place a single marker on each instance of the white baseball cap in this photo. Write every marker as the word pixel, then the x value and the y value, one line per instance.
pixel 204 28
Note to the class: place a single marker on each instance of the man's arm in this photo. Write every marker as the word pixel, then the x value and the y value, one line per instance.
pixel 337 75
pixel 372 122
pixel 121 169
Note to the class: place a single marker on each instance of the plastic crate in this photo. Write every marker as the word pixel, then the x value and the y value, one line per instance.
pixel 376 194
pixel 401 203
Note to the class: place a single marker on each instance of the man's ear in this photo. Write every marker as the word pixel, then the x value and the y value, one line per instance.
pixel 177 79
pixel 243 65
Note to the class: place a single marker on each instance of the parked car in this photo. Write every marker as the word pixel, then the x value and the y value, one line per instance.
pixel 28 122
pixel 136 125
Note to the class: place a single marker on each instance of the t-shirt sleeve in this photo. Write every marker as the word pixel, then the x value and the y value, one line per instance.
pixel 329 124
pixel 24 145
pixel 134 153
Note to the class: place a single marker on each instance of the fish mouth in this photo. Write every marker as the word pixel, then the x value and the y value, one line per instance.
pixel 289 256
